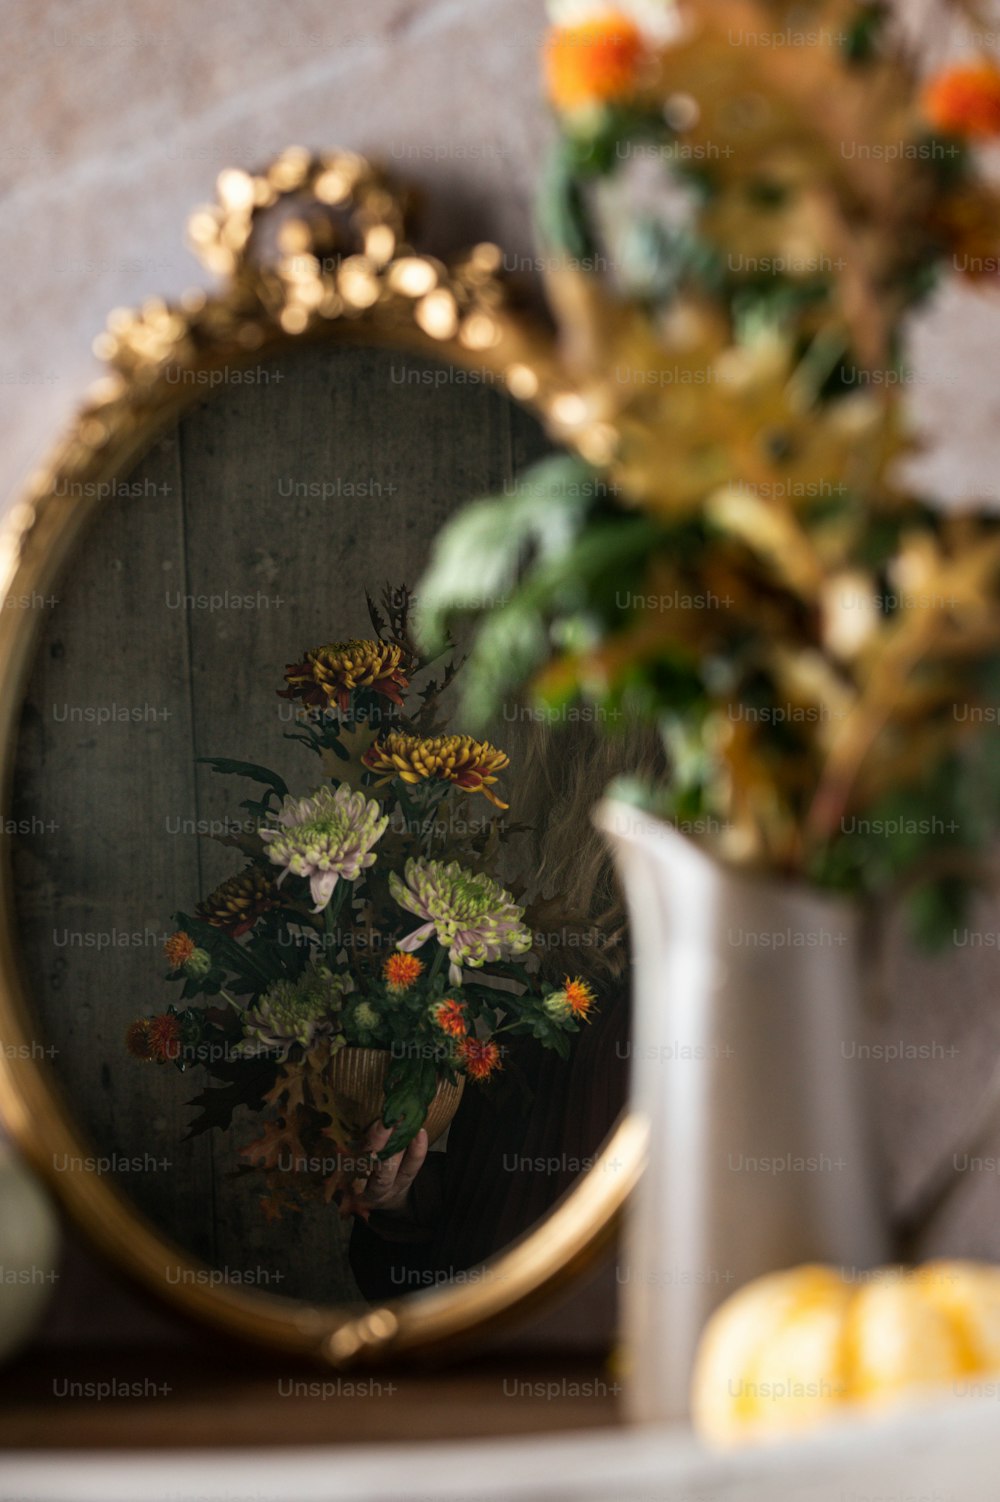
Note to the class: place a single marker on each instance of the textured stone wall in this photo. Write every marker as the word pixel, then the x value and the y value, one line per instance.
pixel 116 121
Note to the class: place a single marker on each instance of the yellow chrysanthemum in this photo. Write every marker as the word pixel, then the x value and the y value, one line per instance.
pixel 236 905
pixel 460 759
pixel 329 675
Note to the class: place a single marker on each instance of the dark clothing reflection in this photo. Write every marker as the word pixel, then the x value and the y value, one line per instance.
pixel 516 1145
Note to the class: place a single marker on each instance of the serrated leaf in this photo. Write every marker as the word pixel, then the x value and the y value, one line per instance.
pixel 229 767
pixel 247 844
pixel 237 957
pixel 247 1087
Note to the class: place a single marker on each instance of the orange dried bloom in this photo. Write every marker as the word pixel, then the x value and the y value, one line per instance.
pixel 579 997
pixel 178 949
pixel 965 100
pixel 401 970
pixel 164 1038
pixel 138 1040
pixel 595 62
pixel 450 1017
pixel 481 1057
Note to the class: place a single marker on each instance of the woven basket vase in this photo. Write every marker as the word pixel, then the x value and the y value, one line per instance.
pixel 358 1076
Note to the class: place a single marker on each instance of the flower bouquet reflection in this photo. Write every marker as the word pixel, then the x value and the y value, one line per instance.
pixel 367 960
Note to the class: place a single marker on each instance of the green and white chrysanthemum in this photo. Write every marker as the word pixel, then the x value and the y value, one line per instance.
pixel 293 1011
pixel 364 1023
pixel 474 917
pixel 325 837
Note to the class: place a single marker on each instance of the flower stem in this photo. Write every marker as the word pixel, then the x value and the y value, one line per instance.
pixel 411 816
pixel 332 912
pixel 437 964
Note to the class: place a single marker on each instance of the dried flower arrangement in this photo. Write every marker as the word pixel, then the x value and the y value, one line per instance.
pixel 366 918
pixel 747 200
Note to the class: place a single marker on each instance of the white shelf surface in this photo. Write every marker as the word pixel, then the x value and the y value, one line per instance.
pixel 939 1454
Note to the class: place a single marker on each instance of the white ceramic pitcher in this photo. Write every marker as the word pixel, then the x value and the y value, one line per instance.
pixel 746 999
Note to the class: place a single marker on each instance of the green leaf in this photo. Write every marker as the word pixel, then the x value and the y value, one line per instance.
pixel 231 768
pixel 561 213
pixel 514 640
pixel 479 555
pixel 510 646
pixel 410 1086
pixel 237 957
pixel 864 33
pixel 936 910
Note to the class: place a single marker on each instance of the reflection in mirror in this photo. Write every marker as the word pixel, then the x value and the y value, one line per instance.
pixel 230 1014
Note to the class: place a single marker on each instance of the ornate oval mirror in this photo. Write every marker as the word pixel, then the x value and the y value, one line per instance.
pixel 301 987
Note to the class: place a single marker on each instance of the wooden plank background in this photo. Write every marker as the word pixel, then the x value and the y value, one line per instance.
pixel 135 679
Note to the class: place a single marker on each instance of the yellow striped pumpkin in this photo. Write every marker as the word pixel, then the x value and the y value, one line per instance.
pixel 796 1349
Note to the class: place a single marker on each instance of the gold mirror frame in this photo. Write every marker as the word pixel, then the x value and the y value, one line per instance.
pixel 341 270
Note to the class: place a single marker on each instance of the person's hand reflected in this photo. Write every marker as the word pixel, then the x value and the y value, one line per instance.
pixel 387 1187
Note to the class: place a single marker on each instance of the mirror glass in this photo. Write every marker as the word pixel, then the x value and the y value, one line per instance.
pixel 244 541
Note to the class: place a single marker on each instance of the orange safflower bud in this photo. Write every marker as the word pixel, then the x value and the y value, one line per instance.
pixel 965 100
pixel 593 63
